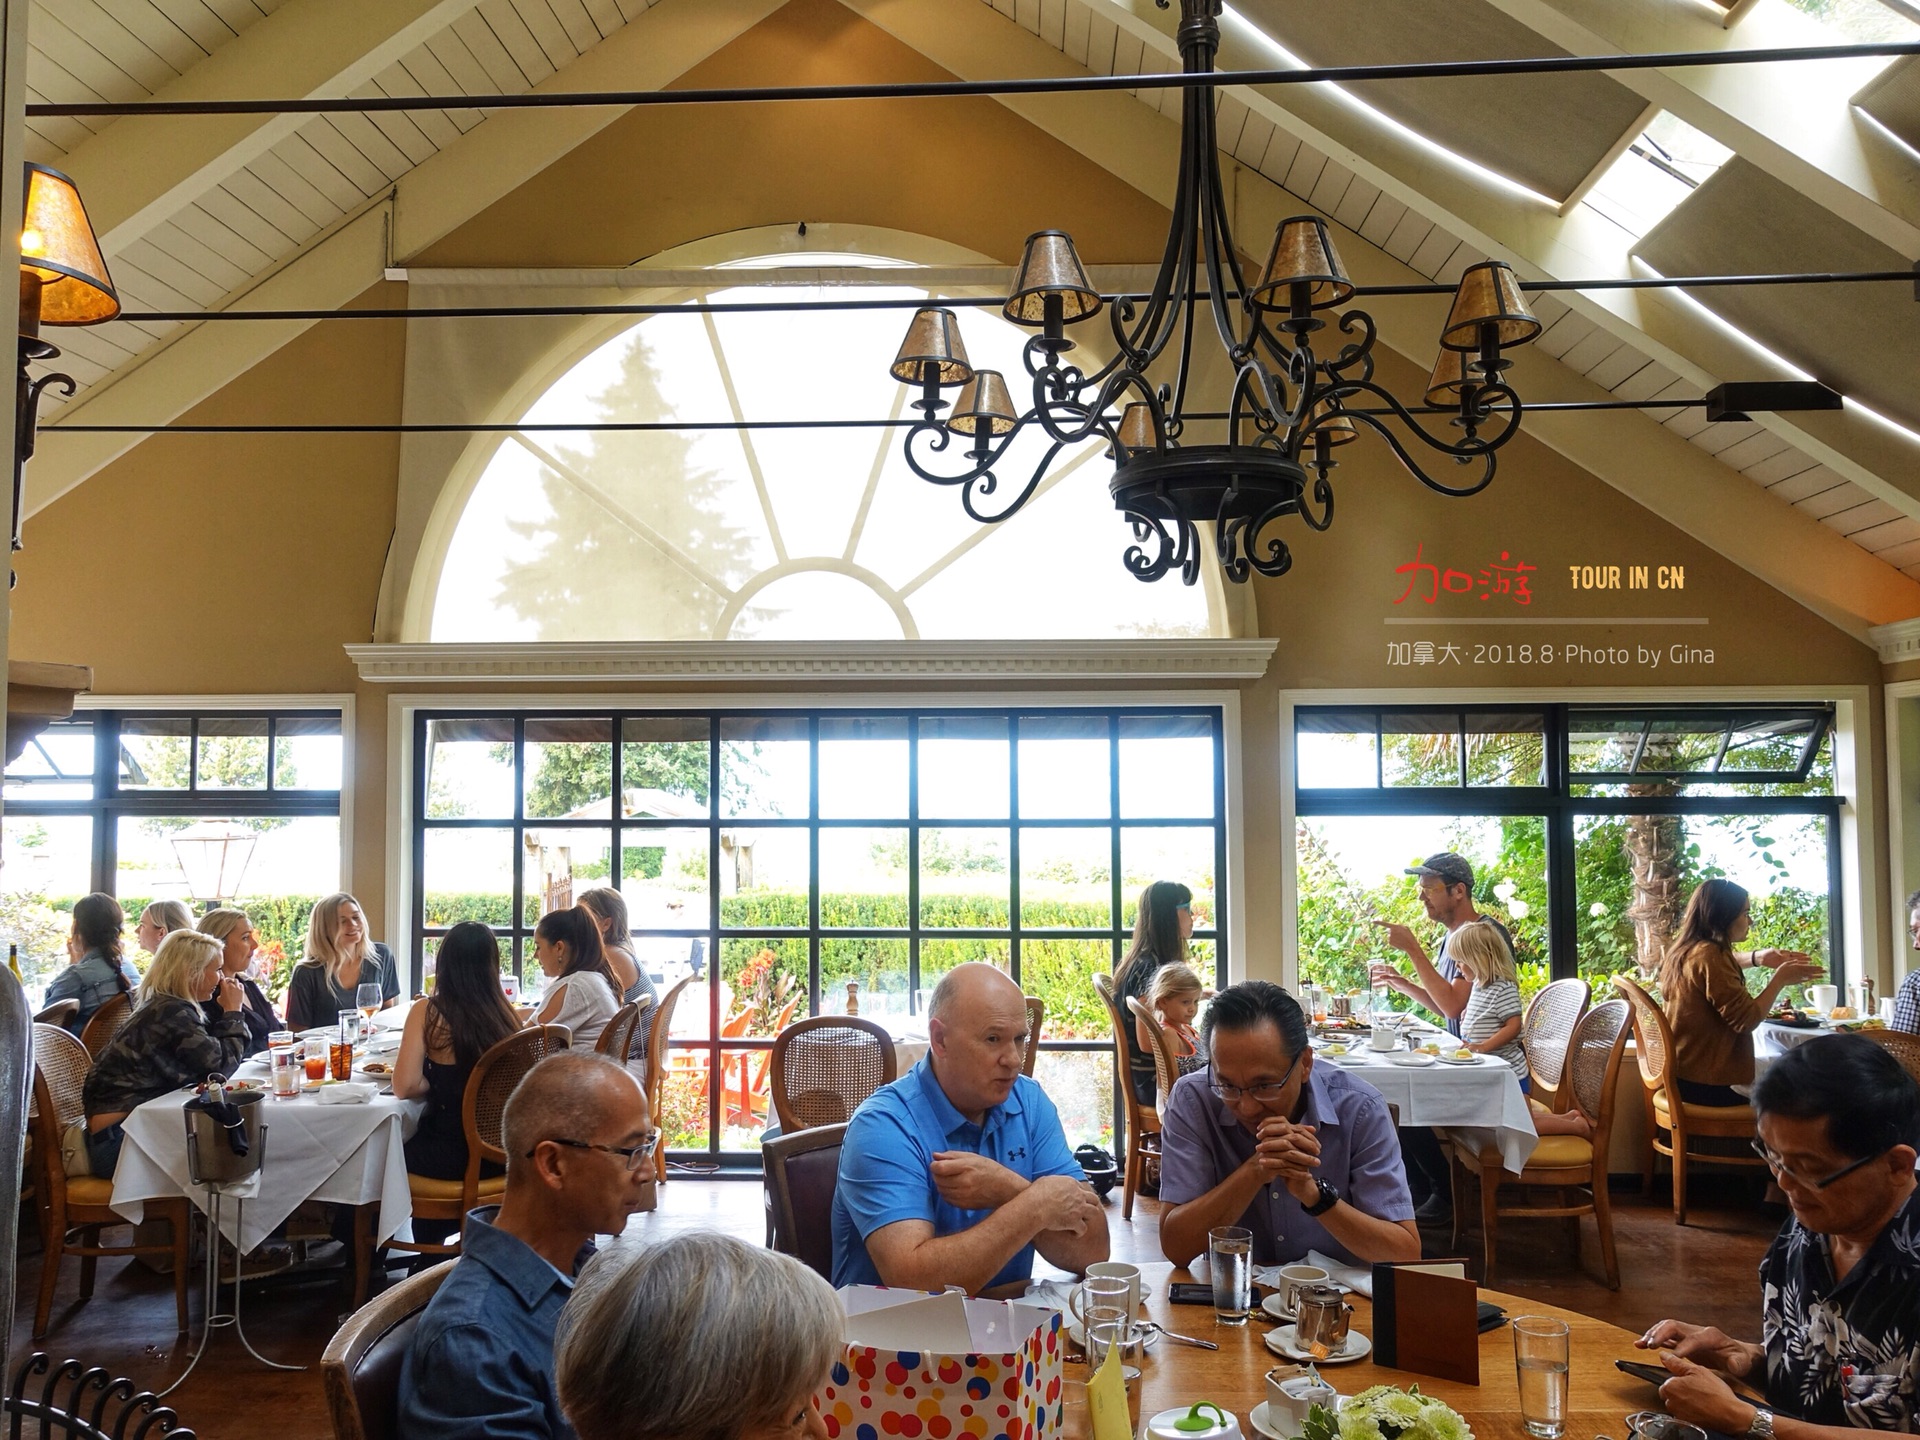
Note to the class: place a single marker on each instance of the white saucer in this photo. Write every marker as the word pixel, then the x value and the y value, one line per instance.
pixel 1262 1417
pixel 1281 1342
pixel 1470 1060
pixel 1345 1057
pixel 1274 1307
pixel 1412 1059
pixel 1079 1337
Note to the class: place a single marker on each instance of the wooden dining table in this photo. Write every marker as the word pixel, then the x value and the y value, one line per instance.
pixel 1599 1397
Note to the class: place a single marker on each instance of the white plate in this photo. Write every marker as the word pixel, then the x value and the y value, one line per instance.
pixel 1281 1342
pixel 1352 1057
pixel 1413 1059
pixel 380 1076
pixel 1446 1059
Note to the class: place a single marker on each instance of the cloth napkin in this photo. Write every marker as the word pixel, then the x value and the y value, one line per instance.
pixel 345 1093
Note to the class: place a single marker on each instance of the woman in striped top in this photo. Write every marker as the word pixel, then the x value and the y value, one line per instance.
pixel 1490 1025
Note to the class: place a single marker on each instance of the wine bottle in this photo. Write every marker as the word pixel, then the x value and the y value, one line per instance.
pixel 13 963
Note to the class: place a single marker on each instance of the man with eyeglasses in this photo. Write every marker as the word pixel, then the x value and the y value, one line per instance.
pixel 958 1172
pixel 1305 1158
pixel 579 1145
pixel 1839 1124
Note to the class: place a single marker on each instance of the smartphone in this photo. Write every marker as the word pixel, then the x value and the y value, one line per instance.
pixel 1652 1374
pixel 1183 1293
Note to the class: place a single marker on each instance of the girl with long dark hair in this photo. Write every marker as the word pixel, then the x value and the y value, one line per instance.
pixel 1160 932
pixel 1704 991
pixel 609 909
pixel 99 968
pixel 584 994
pixel 464 1018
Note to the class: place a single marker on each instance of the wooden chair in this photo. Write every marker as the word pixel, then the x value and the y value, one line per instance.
pixel 494 1075
pixel 1143 1121
pixel 1547 1033
pixel 823 1068
pixel 74 1209
pixel 629 1025
pixel 1036 1017
pixel 58 1013
pixel 1904 1047
pixel 1571 1164
pixel 658 1031
pixel 360 1368
pixel 105 1023
pixel 802 1172
pixel 1666 1112
pixel 1166 1067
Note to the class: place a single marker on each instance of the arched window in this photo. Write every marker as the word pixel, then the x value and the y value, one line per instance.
pixel 716 532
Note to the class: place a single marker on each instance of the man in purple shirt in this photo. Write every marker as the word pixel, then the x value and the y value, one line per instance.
pixel 1305 1159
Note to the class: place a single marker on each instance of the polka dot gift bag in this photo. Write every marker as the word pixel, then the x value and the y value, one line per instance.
pixel 944 1367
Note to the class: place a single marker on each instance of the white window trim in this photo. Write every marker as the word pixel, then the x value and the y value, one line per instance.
pixel 212 704
pixel 402 709
pixel 1863 904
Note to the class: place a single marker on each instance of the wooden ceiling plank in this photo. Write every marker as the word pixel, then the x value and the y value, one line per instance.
pixel 328 140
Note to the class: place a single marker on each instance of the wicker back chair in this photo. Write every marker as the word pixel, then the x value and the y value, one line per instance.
pixel 625 1038
pixel 1036 1017
pixel 105 1023
pixel 1668 1113
pixel 74 1209
pixel 1143 1121
pixel 1573 1165
pixel 658 1029
pixel 58 1013
pixel 494 1075
pixel 823 1068
pixel 1545 1035
pixel 360 1368
pixel 1904 1047
pixel 1166 1068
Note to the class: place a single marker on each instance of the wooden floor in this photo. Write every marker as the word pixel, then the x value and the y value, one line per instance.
pixel 1704 1272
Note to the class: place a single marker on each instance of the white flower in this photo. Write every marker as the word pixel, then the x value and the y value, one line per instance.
pixel 1359 1425
pixel 1445 1424
pixel 1597 909
pixel 1402 1409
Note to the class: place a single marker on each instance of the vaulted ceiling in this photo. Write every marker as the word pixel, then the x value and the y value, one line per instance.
pixel 1427 177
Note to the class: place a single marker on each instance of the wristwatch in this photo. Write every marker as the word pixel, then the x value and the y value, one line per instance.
pixel 1330 1197
pixel 1761 1426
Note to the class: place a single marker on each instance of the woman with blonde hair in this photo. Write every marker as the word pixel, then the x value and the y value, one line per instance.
pixel 1490 1025
pixel 609 908
pixel 234 930
pixel 168 1043
pixel 340 958
pixel 1174 996
pixel 159 920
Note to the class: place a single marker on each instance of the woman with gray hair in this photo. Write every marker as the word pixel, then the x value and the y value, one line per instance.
pixel 701 1337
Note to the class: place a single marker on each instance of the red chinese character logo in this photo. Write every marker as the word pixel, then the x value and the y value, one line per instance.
pixel 1427 581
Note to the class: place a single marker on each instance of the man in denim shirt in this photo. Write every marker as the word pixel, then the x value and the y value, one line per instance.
pixel 579 1148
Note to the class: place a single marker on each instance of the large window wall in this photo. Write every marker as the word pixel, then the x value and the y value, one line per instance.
pixel 778 855
pixel 110 800
pixel 1588 827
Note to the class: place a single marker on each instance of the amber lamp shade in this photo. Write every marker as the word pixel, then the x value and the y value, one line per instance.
pixel 1336 431
pixel 932 339
pixel 63 276
pixel 1050 273
pixel 1136 429
pixel 1489 296
pixel 1303 254
pixel 1449 379
pixel 984 398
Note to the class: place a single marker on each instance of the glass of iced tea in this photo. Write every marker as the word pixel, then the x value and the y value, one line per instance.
pixel 342 1049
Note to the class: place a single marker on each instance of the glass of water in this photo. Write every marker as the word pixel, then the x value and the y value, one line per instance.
pixel 1230 1263
pixel 1541 1354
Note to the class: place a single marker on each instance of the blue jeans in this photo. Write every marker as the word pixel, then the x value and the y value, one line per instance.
pixel 103 1149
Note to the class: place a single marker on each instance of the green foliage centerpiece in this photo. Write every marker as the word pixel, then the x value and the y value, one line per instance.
pixel 1386 1413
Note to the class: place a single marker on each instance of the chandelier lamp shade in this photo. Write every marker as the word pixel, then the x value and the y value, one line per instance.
pixel 1302 376
pixel 213 857
pixel 63 281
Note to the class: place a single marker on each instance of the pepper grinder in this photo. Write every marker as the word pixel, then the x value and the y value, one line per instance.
pixel 853 997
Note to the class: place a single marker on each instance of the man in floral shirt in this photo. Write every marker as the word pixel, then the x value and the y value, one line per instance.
pixel 1839 1126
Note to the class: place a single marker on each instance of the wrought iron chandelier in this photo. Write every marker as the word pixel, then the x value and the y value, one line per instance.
pixel 1290 405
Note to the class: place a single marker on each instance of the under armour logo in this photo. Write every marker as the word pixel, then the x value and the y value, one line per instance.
pixel 1019 1154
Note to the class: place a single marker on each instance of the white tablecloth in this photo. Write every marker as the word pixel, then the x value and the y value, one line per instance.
pixel 349 1154
pixel 1481 1104
pixel 910 1041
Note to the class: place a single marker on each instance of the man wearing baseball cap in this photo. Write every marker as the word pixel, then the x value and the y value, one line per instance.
pixel 1446 891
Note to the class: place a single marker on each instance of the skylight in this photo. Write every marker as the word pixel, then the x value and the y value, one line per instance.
pixel 1863 22
pixel 1667 162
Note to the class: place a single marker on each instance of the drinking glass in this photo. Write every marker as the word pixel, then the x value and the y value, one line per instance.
pixel 315 1060
pixel 367 997
pixel 1230 1263
pixel 341 1053
pixel 510 987
pixel 1542 1352
pixel 285 1061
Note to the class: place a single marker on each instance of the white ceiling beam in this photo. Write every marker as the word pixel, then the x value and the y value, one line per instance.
pixel 1658 469
pixel 429 202
pixel 141 170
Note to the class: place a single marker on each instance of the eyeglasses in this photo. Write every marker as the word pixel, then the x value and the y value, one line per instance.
pixel 634 1155
pixel 1780 1167
pixel 1265 1094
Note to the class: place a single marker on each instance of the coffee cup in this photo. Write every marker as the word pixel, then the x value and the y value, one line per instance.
pixel 1294 1279
pixel 1384 1036
pixel 1120 1270
pixel 1823 997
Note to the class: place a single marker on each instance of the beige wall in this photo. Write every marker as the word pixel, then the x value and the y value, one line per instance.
pixel 242 565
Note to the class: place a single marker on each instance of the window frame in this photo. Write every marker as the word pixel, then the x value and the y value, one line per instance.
pixel 413 716
pixel 1555 804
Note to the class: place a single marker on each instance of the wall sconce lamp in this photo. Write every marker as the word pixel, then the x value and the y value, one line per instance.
pixel 63 281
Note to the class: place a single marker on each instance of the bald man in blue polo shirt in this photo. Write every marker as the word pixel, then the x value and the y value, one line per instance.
pixel 958 1172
